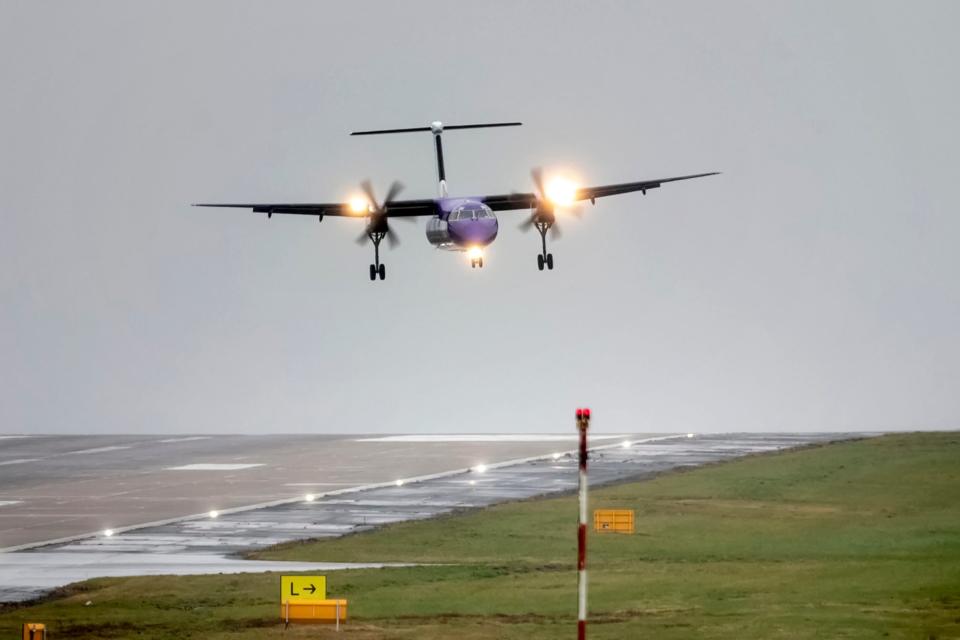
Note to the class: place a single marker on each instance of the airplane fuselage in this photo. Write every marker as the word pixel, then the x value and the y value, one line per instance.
pixel 462 224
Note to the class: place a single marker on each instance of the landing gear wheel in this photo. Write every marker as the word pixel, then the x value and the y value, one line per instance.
pixel 540 262
pixel 550 261
pixel 480 262
pixel 373 272
pixel 382 271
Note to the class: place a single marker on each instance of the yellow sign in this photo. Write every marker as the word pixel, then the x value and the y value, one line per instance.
pixel 34 631
pixel 613 521
pixel 294 589
pixel 318 611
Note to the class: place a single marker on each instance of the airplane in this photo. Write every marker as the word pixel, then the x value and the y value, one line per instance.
pixel 466 224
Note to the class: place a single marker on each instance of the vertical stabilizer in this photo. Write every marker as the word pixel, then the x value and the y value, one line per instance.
pixel 437 128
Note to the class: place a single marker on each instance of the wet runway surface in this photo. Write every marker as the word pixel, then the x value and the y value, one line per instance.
pixel 207 544
pixel 54 487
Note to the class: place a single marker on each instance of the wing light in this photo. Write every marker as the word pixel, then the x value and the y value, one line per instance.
pixel 358 205
pixel 561 191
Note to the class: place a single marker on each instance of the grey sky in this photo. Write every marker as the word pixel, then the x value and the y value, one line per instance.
pixel 813 286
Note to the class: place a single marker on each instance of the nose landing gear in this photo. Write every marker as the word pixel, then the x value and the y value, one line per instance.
pixel 544 259
pixel 476 262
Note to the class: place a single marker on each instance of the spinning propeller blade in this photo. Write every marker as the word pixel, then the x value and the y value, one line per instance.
pixel 545 209
pixel 379 213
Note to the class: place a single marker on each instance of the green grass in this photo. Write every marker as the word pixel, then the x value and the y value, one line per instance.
pixel 850 540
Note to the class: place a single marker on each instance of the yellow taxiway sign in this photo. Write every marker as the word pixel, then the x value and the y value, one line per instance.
pixel 294 589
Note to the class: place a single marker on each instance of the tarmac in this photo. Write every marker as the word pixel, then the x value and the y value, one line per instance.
pixel 202 543
pixel 58 487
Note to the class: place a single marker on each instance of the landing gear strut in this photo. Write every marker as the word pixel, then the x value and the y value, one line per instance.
pixel 476 262
pixel 377 269
pixel 544 258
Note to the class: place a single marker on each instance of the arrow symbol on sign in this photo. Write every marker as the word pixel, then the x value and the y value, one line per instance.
pixel 311 589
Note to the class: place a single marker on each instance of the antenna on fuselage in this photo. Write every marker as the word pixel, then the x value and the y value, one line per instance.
pixel 437 129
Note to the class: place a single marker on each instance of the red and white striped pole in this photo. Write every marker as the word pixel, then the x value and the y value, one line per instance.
pixel 583 422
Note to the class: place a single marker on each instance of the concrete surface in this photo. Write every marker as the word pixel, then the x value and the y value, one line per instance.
pixel 53 487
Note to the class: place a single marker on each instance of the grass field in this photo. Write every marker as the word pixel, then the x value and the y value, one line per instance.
pixel 849 540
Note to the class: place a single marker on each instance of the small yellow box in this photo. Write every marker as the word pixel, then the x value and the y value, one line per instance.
pixel 334 611
pixel 613 521
pixel 34 631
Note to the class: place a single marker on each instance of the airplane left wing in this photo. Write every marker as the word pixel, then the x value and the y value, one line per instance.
pixel 395 209
pixel 529 200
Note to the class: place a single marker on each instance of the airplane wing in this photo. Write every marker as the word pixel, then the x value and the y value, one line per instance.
pixel 529 200
pixel 396 208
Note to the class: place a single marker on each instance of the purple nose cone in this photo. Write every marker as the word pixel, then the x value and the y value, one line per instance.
pixel 468 233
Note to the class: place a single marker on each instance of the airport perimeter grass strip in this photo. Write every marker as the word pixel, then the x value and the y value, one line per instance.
pixel 849 540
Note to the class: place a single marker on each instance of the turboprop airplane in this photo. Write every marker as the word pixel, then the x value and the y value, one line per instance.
pixel 458 223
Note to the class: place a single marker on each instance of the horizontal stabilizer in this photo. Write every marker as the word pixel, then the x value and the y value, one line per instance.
pixel 445 127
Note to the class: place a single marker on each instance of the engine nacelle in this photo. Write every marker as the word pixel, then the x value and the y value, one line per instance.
pixel 438 235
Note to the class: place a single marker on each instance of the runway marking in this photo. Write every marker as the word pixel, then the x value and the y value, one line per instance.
pixel 96 450
pixel 18 461
pixel 322 484
pixel 4 503
pixel 482 438
pixel 13 437
pixel 211 466
pixel 189 439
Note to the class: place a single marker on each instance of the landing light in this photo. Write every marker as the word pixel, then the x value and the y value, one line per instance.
pixel 561 191
pixel 309 497
pixel 480 468
pixel 399 483
pixel 214 513
pixel 358 204
pixel 625 444
pixel 108 533
pixel 557 456
pixel 475 253
pixel 689 435
pixel 472 482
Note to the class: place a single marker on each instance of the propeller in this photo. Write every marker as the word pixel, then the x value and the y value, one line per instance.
pixel 378 213
pixel 545 209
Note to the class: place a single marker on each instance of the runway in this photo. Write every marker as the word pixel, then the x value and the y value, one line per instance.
pixel 56 487
pixel 204 544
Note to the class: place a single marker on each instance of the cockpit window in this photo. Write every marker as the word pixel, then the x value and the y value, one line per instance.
pixel 469 212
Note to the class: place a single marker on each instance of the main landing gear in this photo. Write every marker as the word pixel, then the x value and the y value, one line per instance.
pixel 377 269
pixel 544 259
pixel 476 262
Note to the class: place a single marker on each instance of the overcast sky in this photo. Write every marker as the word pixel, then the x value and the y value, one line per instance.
pixel 812 286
